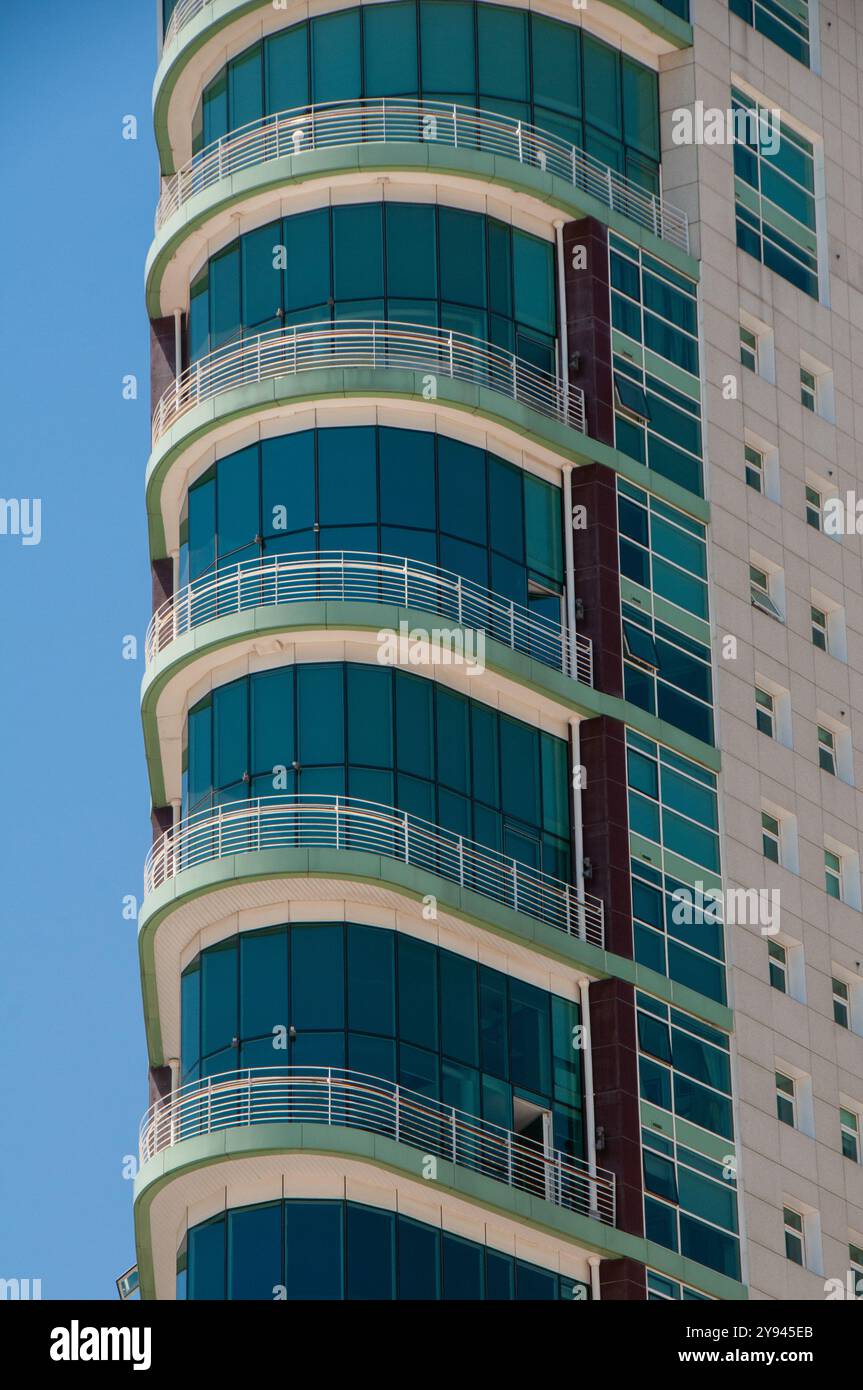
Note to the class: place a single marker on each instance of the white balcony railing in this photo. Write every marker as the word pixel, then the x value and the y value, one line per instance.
pixel 355 575
pixel 319 821
pixel 399 120
pixel 331 1096
pixel 368 343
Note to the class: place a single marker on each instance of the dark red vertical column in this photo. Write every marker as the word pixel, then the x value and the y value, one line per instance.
pixel 605 826
pixel 615 1095
pixel 597 571
pixel 588 322
pixel 163 362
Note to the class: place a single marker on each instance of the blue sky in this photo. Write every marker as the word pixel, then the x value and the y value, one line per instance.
pixel 75 821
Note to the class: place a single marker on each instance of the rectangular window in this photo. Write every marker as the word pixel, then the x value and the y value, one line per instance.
pixel 833 874
pixel 841 1002
pixel 826 750
pixel 786 1100
pixel 765 713
pixel 784 22
pixel 849 1132
pixel 774 187
pixel 855 1255
pixel 770 837
pixel 795 1248
pixel 778 966
pixel 754 461
pixel 748 349
pixel 808 389
pixel 819 628
pixel 813 508
pixel 759 590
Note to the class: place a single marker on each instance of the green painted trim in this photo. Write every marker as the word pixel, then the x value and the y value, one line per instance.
pixel 439 159
pixel 573 695
pixel 360 866
pixel 398 384
pixel 402 1159
pixel 676 32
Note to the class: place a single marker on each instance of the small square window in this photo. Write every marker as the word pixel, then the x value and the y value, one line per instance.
pixel 813 508
pixel 765 713
pixel 841 1002
pixel 639 644
pixel 819 628
pixel 849 1130
pixel 833 874
pixel 754 468
pixel 795 1248
pixel 770 837
pixel 748 349
pixel 826 750
pixel 759 591
pixel 808 389
pixel 778 966
pixel 786 1100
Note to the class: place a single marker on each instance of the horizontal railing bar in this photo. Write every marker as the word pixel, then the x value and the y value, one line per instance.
pixel 368 343
pixel 317 820
pixel 304 576
pixel 333 1096
pixel 376 120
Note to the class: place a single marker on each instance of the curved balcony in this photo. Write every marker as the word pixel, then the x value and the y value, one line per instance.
pixel 331 1096
pixel 401 120
pixel 368 343
pixel 358 576
pixel 318 821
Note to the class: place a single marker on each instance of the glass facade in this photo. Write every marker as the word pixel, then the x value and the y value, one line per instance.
pixel 657 386
pixel 405 262
pixel 786 22
pixel 674 840
pixel 390 737
pixel 774 192
pixel 387 491
pixel 666 629
pixel 322 1250
pixel 496 58
pixel 392 1007
pixel 690 1184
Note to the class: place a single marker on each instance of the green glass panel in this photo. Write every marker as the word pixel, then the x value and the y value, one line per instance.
pixel 447 38
pixel 556 66
pixel 502 42
pixel 358 271
pixel 336 56
pixel 411 248
pixel 307 247
pixel 390 49
pixel 246 88
pixel 287 69
pixel 534 282
pixel 462 256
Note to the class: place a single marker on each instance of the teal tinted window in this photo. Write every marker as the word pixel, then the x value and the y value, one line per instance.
pixel 318 1251
pixel 410 263
pixel 390 49
pixel 654 316
pixel 494 57
pixel 784 22
pixel 336 57
pixel 774 187
pixel 275 998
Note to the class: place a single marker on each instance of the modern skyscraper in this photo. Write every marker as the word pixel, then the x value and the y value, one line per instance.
pixel 501 934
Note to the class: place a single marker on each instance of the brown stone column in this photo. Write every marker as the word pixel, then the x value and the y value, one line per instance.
pixel 615 1095
pixel 163 364
pixel 597 572
pixel 588 322
pixel 605 826
pixel 622 1281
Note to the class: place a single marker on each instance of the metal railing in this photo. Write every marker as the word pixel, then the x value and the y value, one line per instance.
pixel 332 1096
pixel 303 577
pixel 184 12
pixel 368 343
pixel 315 821
pixel 397 120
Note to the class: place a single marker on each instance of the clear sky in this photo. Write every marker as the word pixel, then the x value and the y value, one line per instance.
pixel 78 204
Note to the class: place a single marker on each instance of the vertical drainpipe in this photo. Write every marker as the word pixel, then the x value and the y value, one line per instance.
pixel 178 342
pixel 577 824
pixel 595 1292
pixel 589 1119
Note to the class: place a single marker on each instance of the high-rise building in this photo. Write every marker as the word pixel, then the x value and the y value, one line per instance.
pixel 502 929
